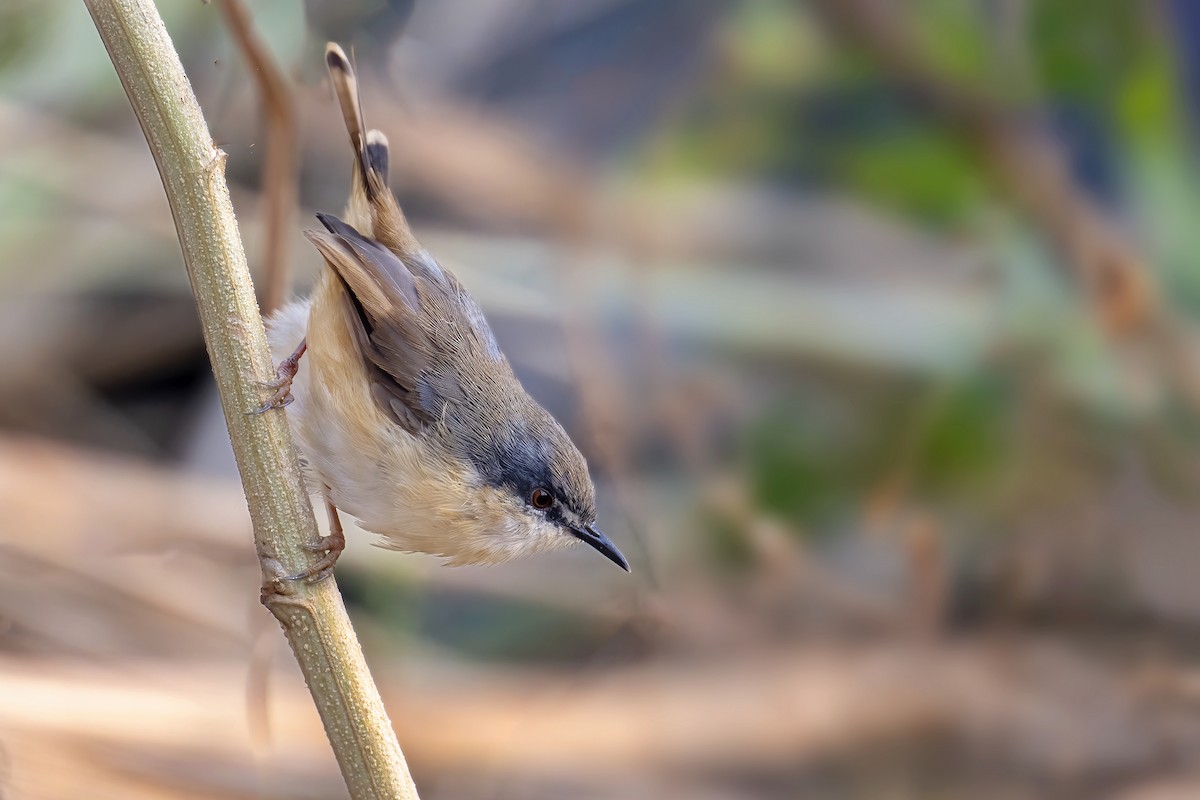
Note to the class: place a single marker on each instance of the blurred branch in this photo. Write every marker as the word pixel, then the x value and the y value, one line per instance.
pixel 1025 162
pixel 1052 711
pixel 312 615
pixel 279 173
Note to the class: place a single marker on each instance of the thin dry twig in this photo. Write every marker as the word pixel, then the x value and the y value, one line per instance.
pixel 279 168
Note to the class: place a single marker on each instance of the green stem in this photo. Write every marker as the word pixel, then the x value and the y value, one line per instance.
pixel 312 615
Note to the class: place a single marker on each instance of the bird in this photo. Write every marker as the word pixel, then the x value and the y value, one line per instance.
pixel 407 415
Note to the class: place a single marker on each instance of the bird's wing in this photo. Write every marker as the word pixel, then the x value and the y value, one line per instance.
pixel 421 336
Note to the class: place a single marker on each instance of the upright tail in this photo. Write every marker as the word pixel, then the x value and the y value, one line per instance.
pixel 341 73
pixel 372 207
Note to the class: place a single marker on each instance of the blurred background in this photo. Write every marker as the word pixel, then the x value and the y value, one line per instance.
pixel 877 321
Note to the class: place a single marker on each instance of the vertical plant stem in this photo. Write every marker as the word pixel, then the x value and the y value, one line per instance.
pixel 312 615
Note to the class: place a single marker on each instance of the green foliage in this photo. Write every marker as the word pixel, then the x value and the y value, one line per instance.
pixel 1146 100
pixel 956 37
pixel 1084 48
pixel 21 25
pixel 806 460
pixel 916 170
pixel 794 105
pixel 815 459
pixel 967 439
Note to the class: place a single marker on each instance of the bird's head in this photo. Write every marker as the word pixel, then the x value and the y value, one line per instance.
pixel 535 478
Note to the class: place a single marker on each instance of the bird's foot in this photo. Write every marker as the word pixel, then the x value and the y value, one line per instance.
pixel 281 386
pixel 331 547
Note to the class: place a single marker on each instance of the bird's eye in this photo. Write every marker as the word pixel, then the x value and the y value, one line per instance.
pixel 541 498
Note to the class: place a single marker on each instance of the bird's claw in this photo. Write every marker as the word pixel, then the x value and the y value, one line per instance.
pixel 281 386
pixel 281 394
pixel 332 546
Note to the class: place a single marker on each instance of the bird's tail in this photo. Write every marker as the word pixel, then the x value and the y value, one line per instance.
pixel 372 207
pixel 370 148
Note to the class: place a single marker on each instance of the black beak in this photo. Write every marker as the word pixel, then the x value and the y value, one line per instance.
pixel 601 542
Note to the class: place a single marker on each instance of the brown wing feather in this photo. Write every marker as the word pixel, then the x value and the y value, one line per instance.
pixel 375 269
pixel 384 323
pixel 424 341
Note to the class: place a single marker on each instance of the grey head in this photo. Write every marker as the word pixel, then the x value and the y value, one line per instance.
pixel 518 446
pixel 435 368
